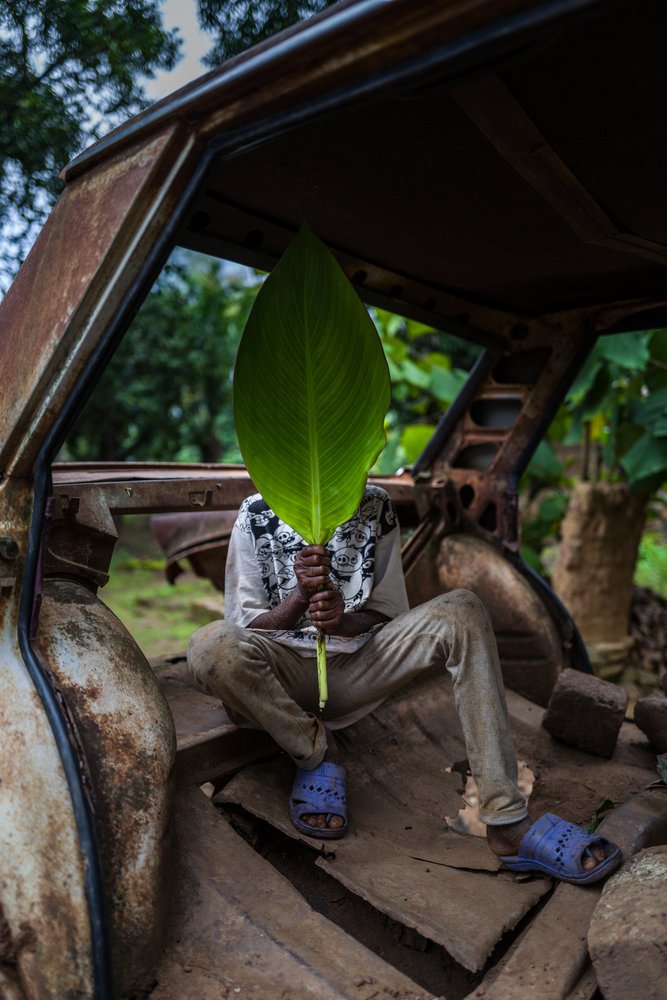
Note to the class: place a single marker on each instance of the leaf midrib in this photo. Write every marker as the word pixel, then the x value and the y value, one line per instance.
pixel 312 429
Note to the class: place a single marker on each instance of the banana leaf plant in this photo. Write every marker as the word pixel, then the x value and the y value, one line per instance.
pixel 311 390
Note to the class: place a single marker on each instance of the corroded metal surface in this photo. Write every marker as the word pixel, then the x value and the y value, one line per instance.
pixel 80 540
pixel 45 932
pixel 79 286
pixel 41 886
pixel 470 470
pixel 340 47
pixel 127 733
pixel 202 539
pixel 73 280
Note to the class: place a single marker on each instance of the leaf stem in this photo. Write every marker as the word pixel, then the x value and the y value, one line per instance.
pixel 322 669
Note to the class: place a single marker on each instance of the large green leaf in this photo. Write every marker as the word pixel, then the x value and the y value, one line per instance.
pixel 585 379
pixel 629 350
pixel 647 457
pixel 650 410
pixel 545 465
pixel 658 346
pixel 311 388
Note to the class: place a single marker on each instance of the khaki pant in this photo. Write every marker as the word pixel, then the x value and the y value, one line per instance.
pixel 275 688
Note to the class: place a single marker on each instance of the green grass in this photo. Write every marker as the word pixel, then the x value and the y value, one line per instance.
pixel 159 616
pixel 651 569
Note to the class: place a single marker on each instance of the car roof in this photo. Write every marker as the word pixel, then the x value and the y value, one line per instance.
pixel 514 161
pixel 477 164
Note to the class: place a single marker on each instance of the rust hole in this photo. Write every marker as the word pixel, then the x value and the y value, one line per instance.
pixel 489 518
pixel 467 495
pixel 476 456
pixel 500 413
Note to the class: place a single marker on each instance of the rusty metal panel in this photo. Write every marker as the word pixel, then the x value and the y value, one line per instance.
pixel 332 51
pixel 365 45
pixel 152 487
pixel 44 921
pixel 474 460
pixel 127 734
pixel 91 248
pixel 47 934
pixel 202 539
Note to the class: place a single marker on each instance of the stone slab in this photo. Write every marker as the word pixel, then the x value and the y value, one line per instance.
pixel 640 822
pixel 628 931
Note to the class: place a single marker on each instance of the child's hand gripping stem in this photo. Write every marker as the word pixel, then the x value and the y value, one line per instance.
pixel 313 567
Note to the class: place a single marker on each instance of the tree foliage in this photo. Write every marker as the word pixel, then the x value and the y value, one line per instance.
pixel 618 404
pixel 612 426
pixel 167 394
pixel 68 72
pixel 427 369
pixel 238 24
pixel 614 415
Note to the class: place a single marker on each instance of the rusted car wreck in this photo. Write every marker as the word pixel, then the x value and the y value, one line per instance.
pixel 489 167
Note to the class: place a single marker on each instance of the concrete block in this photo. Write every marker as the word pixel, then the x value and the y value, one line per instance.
pixel 651 717
pixel 638 823
pixel 586 712
pixel 627 937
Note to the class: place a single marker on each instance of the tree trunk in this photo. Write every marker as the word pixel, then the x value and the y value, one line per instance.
pixel 596 559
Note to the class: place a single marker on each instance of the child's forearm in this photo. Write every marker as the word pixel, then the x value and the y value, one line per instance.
pixel 357 622
pixel 285 615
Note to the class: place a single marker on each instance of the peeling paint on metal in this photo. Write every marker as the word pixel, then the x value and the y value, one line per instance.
pixel 127 732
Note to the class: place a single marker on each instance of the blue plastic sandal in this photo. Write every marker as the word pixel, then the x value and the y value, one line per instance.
pixel 321 791
pixel 555 847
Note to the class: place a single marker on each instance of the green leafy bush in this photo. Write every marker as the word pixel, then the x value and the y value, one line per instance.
pixel 651 569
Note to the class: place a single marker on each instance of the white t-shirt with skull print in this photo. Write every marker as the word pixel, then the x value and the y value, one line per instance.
pixel 365 566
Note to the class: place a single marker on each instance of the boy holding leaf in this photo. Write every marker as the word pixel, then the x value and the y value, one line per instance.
pixel 260 662
pixel 316 608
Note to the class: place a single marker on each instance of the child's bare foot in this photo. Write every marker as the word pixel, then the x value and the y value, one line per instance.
pixel 506 841
pixel 326 821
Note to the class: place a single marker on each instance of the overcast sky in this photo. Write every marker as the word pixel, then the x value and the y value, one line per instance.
pixel 181 14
